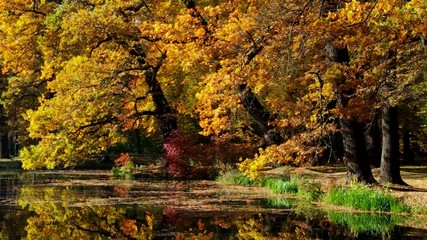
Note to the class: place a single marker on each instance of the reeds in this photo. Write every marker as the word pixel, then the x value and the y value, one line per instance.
pixel 364 198
pixel 286 185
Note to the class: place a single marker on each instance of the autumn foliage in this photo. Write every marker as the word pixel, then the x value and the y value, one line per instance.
pixel 123 159
pixel 177 149
pixel 184 156
pixel 80 75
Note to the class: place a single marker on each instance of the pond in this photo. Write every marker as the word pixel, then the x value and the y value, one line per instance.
pixel 91 205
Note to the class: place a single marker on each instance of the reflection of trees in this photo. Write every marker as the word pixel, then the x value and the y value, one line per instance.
pixel 270 227
pixel 366 223
pixel 10 222
pixel 60 213
pixel 259 226
pixel 8 186
pixel 297 226
pixel 54 218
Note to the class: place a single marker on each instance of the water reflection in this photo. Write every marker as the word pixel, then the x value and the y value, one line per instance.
pixel 80 207
pixel 8 187
pixel 287 203
pixel 366 222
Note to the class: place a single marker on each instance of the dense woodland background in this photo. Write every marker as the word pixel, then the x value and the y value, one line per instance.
pixel 271 83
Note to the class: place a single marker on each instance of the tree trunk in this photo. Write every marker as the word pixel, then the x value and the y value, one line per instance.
pixel 172 145
pixel 163 112
pixel 390 167
pixel 355 154
pixel 167 119
pixel 260 115
pixel 373 144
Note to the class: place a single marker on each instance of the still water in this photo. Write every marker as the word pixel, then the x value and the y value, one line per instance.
pixel 92 205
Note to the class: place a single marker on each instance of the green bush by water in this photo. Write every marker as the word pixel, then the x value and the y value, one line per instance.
pixel 124 172
pixel 363 198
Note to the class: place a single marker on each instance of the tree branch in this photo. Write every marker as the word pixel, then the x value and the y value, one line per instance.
pixel 367 16
pixel 99 122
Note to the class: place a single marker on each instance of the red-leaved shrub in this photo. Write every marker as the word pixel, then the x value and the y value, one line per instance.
pixel 182 153
pixel 176 147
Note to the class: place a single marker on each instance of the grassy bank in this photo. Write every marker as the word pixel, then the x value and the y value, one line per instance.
pixel 298 187
pixel 363 198
pixel 356 196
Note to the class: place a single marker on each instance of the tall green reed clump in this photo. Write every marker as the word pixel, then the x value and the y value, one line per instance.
pixel 363 198
pixel 290 185
pixel 277 185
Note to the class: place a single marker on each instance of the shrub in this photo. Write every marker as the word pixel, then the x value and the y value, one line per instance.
pixel 175 147
pixel 183 154
pixel 124 167
pixel 124 172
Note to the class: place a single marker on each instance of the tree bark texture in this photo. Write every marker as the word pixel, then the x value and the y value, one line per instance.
pixel 390 166
pixel 355 154
pixel 164 114
pixel 260 115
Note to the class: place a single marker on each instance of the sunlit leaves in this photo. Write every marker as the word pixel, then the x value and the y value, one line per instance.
pixel 291 63
pixel 94 88
pixel 78 61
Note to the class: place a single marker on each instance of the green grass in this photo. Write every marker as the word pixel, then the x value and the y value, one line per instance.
pixel 363 198
pixel 277 185
pixel 357 197
pixel 302 188
pixel 274 184
pixel 289 185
